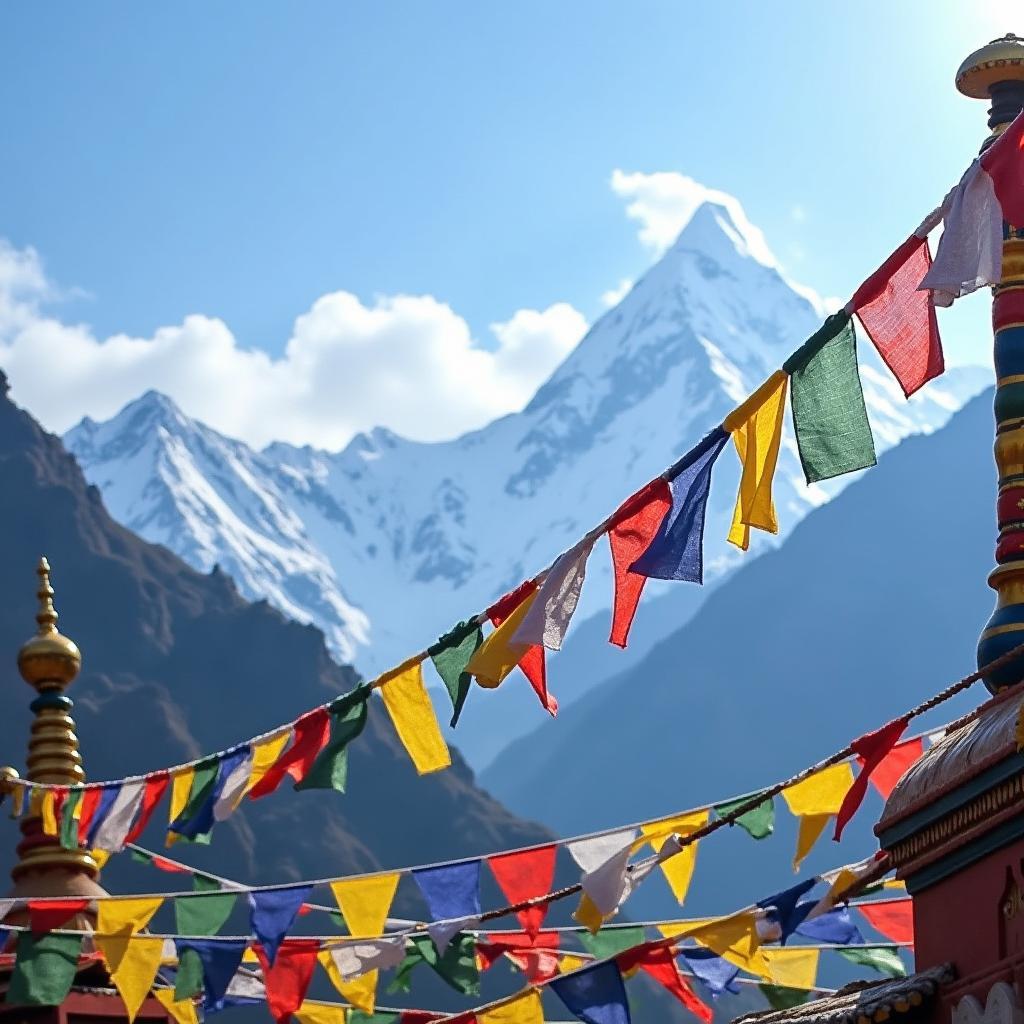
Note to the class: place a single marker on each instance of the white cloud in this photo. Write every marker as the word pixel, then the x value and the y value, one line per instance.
pixel 406 362
pixel 615 295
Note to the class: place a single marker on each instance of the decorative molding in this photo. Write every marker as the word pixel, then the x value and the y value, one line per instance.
pixel 1001 1007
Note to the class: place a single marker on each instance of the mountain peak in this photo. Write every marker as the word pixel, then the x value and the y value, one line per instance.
pixel 719 221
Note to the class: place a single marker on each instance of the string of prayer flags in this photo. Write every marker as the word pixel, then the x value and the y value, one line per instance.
pixel 900 318
pixel 524 1008
pixel 136 969
pixel 871 749
pixel 452 893
pixel 523 875
pixel 656 960
pixel 677 869
pixel 220 959
pixel 265 755
pixel 412 715
pixel 631 529
pixel 833 434
pixel 44 969
pixel 781 998
pixel 835 926
pixel 550 613
pixel 595 994
pixel 714 971
pixel 45 915
pixel 814 800
pixel 970 253
pixel 156 786
pixel 312 731
pixel 677 549
pixel 273 912
pixel 758 822
pixel 456 965
pixel 881 958
pixel 893 765
pixel 756 428
pixel 365 902
pixel 287 975
pixel 893 918
pixel 348 716
pixel 451 655
pixel 203 914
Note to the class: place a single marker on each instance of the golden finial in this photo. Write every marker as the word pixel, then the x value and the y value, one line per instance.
pixel 49 661
pixel 1001 60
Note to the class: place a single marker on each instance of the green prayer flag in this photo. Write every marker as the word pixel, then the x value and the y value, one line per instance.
pixel 189 980
pixel 782 998
pixel 348 718
pixel 759 822
pixel 610 941
pixel 883 959
pixel 141 857
pixel 450 656
pixel 358 1017
pixel 204 913
pixel 68 821
pixel 829 415
pixel 204 883
pixel 44 969
pixel 457 966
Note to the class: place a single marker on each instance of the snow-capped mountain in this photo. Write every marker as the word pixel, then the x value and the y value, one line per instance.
pixel 389 542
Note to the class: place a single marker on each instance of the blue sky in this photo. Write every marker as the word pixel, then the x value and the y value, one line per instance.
pixel 241 161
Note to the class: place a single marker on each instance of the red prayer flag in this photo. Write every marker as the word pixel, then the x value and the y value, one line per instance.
pixel 870 750
pixel 90 802
pixel 899 319
pixel 312 731
pixel 1004 162
pixel 893 918
pixel 891 768
pixel 632 529
pixel 419 1017
pixel 45 915
pixel 658 962
pixel 155 786
pixel 536 956
pixel 60 794
pixel 523 875
pixel 287 980
pixel 170 866
pixel 532 662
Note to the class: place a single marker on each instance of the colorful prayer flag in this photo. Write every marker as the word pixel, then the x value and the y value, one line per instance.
pixel 835 926
pixel 532 663
pixel 365 902
pixel 781 998
pixel 45 915
pixel 523 875
pixel 456 965
pixel 204 913
pixel 893 918
pixel 412 715
pixel 312 731
pixel 113 832
pixel 273 911
pixel 287 973
pixel 125 916
pixel 220 959
pixel 44 969
pixel 603 860
pixel 136 969
pixel 892 767
pixel 677 869
pixel 758 822
pixel 450 655
pixel 871 749
pixel 452 893
pixel 156 786
pixel 524 1008
pixel 658 962
pixel 814 800
pixel 714 971
pixel 793 967
pixel 549 616
pixel 595 994
pixel 881 958
pixel 348 717
pixel 265 755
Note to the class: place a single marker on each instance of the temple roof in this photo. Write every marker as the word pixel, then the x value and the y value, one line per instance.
pixel 862 1002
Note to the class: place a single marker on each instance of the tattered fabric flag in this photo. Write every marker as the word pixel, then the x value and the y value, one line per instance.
pixel 156 786
pixel 893 918
pixel 658 962
pixel 457 965
pixel 631 529
pixel 891 768
pixel 265 755
pixel 312 731
pixel 596 994
pixel 814 801
pixel 871 749
pixel 549 616
pixel 604 861
pixel 44 969
pixel 452 892
pixel 353 959
pixel 45 915
pixel 881 958
pixel 113 832
pixel 793 967
pixel 781 998
pixel 273 911
pixel 220 959
pixel 136 968
pixel 830 419
pixel 442 932
pixel 450 655
pixel 531 661
pixel 524 1008
pixel 535 955
pixel 786 910
pixel 677 550
pixel 348 719
pixel 835 926
pixel 970 253
pixel 321 1013
pixel 203 914
pixel 232 789
pixel 714 971
pixel 125 917
pixel 360 991
pixel 758 822
pixel 756 428
pixel 182 1011
pixel 287 973
pixel 900 318
pixel 524 875
pixel 365 902
pixel 677 869
pixel 412 715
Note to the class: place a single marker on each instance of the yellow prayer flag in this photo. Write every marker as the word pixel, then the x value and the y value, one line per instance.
pixel 365 902
pixel 571 962
pixel 265 754
pixel 670 928
pixel 734 939
pixel 117 917
pixel 47 812
pixel 413 717
pixel 809 832
pixel 181 785
pixel 756 428
pixel 497 655
pixel 138 959
pixel 677 869
pixel 100 856
pixel 320 1013
pixel 183 1011
pixel 249 956
pixel 524 1008
pixel 361 992
pixel 814 800
pixel 588 915
pixel 792 967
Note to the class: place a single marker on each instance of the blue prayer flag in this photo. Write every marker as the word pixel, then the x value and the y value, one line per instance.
pixel 220 959
pixel 785 909
pixel 273 912
pixel 596 995
pixel 677 551
pixel 203 821
pixel 834 926
pixel 451 890
pixel 717 973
